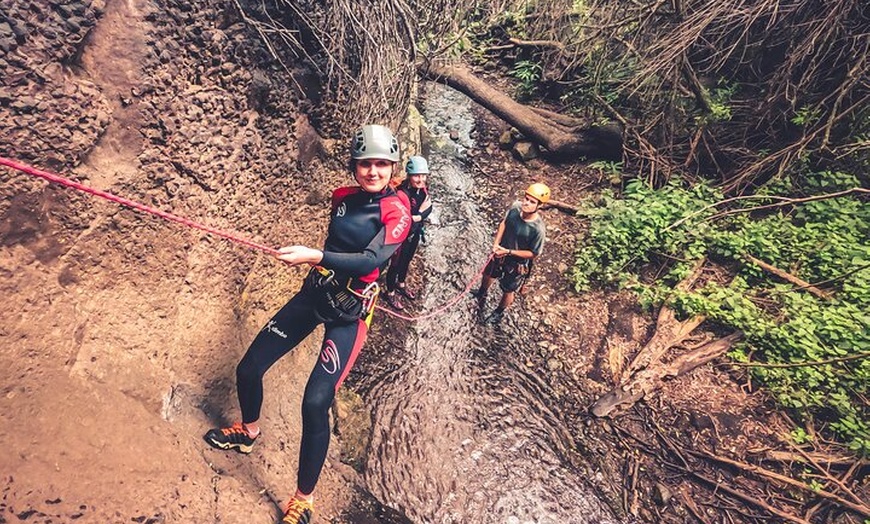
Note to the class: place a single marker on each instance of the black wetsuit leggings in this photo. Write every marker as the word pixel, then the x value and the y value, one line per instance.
pixel 341 345
pixel 401 261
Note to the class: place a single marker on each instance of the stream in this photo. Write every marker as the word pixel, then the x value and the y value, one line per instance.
pixel 461 432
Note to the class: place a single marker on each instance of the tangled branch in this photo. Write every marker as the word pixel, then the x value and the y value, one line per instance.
pixel 746 89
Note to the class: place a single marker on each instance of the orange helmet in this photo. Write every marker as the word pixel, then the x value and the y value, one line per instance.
pixel 539 191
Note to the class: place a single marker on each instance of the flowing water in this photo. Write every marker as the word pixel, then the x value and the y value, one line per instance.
pixel 462 433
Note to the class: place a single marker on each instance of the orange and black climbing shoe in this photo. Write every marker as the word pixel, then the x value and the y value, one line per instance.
pixel 298 512
pixel 234 437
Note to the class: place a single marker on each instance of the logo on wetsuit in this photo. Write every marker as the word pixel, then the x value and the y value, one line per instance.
pixel 273 327
pixel 403 222
pixel 329 359
pixel 342 209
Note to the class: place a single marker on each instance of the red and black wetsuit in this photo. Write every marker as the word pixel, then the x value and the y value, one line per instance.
pixel 401 261
pixel 365 229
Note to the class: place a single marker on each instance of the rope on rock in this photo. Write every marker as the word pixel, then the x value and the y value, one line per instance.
pixel 51 177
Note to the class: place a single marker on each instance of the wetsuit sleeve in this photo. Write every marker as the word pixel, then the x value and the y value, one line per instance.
pixel 360 264
pixel 425 214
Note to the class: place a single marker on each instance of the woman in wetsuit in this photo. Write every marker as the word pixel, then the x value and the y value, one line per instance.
pixel 368 223
pixel 417 189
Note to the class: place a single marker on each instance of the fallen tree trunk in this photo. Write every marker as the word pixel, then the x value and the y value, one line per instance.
pixel 647 371
pixel 652 378
pixel 562 136
pixel 561 206
pixel 669 331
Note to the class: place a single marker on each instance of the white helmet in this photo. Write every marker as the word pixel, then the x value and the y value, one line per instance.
pixel 374 141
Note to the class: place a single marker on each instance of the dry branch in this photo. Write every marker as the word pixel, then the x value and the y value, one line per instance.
pixel 561 206
pixel 860 508
pixel 669 331
pixel 783 201
pixel 650 379
pixel 845 489
pixel 680 54
pixel 693 508
pixel 858 356
pixel 646 373
pixel 560 141
pixel 538 43
pixel 718 486
pixel 363 57
pixel 818 458
pixel 788 277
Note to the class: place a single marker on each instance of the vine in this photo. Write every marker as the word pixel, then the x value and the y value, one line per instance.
pixel 811 351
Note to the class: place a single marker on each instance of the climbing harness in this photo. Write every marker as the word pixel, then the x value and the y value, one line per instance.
pixel 362 303
pixel 337 302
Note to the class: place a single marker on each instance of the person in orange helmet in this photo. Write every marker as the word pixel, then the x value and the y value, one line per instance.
pixel 518 240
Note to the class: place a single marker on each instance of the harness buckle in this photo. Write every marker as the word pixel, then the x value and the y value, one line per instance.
pixel 325 276
pixel 369 297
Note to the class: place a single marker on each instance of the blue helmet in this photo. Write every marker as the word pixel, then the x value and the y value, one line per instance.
pixel 417 165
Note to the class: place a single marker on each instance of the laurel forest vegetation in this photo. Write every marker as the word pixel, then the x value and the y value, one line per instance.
pixel 744 161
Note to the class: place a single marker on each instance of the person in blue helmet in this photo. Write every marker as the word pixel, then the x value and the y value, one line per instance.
pixel 416 187
pixel 368 223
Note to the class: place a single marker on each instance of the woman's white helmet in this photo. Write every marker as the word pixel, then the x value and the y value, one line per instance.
pixel 417 165
pixel 374 141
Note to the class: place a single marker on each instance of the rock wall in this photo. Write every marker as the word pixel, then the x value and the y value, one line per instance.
pixel 120 331
pixel 45 116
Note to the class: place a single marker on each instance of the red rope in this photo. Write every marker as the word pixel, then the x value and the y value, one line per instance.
pixel 447 305
pixel 51 177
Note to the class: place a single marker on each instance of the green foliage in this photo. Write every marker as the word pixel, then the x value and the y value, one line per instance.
pixel 627 232
pixel 664 231
pixel 800 436
pixel 720 104
pixel 806 116
pixel 528 73
pixel 580 7
pixel 610 169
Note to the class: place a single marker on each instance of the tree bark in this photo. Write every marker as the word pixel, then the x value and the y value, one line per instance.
pixel 669 331
pixel 652 378
pixel 648 371
pixel 561 206
pixel 562 136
